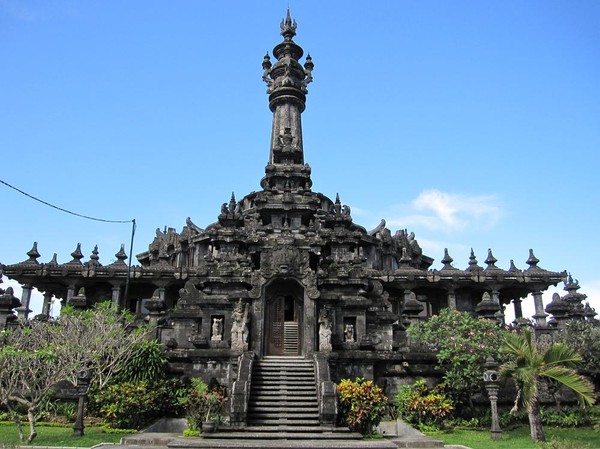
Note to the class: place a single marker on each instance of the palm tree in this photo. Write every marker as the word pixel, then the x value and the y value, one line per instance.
pixel 528 365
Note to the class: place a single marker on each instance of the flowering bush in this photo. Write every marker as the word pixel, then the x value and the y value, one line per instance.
pixel 462 343
pixel 422 406
pixel 202 404
pixel 362 404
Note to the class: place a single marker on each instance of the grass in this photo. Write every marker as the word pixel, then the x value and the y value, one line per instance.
pixel 57 436
pixel 519 438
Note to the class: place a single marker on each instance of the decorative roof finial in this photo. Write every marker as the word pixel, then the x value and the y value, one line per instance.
pixel 532 261
pixel 447 261
pixel 33 254
pixel 288 28
pixel 77 255
pixel 491 260
pixel 121 255
pixel 473 262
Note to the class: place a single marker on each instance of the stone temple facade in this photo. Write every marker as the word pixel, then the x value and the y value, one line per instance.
pixel 285 271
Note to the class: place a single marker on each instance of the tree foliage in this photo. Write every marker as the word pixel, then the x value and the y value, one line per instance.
pixel 584 338
pixel 36 355
pixel 462 344
pixel 528 365
pixel 147 363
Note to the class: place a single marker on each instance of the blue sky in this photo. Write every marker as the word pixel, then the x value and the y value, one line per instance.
pixel 473 124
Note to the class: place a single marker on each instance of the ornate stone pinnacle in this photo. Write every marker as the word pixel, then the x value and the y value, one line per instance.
pixel 491 260
pixel 232 203
pixel 33 253
pixel 447 260
pixel 288 28
pixel 121 255
pixel 77 255
pixel 473 262
pixel 532 261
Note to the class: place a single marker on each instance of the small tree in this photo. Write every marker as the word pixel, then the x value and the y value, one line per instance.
pixel 38 354
pixel 462 344
pixel 528 365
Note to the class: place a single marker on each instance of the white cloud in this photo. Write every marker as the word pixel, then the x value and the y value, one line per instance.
pixel 437 210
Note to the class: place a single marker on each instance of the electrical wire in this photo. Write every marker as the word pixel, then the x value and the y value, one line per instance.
pixel 60 208
pixel 87 217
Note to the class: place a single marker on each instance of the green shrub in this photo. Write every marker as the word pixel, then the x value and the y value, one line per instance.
pixel 422 406
pixel 568 417
pixel 559 443
pixel 191 433
pixel 133 405
pixel 362 404
pixel 202 404
pixel 147 363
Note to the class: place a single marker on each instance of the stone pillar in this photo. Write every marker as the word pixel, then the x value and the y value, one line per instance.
pixel 451 299
pixel 116 296
pixel 540 315
pixel 83 385
pixel 70 293
pixel 46 304
pixel 491 383
pixel 518 309
pixel 23 311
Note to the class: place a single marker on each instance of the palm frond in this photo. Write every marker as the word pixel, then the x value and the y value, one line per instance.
pixel 514 344
pixel 569 378
pixel 561 354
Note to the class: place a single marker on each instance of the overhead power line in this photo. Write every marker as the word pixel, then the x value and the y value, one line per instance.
pixel 87 217
pixel 61 209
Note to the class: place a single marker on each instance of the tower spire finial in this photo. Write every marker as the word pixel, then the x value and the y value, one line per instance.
pixel 288 27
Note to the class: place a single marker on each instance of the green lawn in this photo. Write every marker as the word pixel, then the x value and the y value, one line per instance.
pixel 58 436
pixel 519 438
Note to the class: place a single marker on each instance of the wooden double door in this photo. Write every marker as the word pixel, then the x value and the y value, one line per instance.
pixel 284 325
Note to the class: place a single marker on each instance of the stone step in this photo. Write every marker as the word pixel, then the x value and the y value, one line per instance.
pixel 304 429
pixel 289 415
pixel 282 410
pixel 285 370
pixel 260 440
pixel 284 392
pixel 274 383
pixel 277 433
pixel 283 422
pixel 284 403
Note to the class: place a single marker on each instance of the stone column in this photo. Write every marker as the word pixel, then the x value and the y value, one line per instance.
pixel 23 311
pixel 491 383
pixel 70 293
pixel 46 304
pixel 518 309
pixel 116 296
pixel 540 315
pixel 451 298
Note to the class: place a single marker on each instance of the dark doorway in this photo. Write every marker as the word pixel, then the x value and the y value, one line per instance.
pixel 283 319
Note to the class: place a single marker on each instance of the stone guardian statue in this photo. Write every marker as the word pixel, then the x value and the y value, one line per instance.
pixel 239 327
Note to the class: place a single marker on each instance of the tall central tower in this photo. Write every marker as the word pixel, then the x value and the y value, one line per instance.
pixel 286 85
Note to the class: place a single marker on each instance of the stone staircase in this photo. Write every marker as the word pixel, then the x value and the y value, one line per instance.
pixel 283 394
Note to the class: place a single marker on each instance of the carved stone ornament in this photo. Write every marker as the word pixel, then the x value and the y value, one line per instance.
pixel 284 260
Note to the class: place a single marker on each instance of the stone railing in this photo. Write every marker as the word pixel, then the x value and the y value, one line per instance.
pixel 326 391
pixel 240 391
